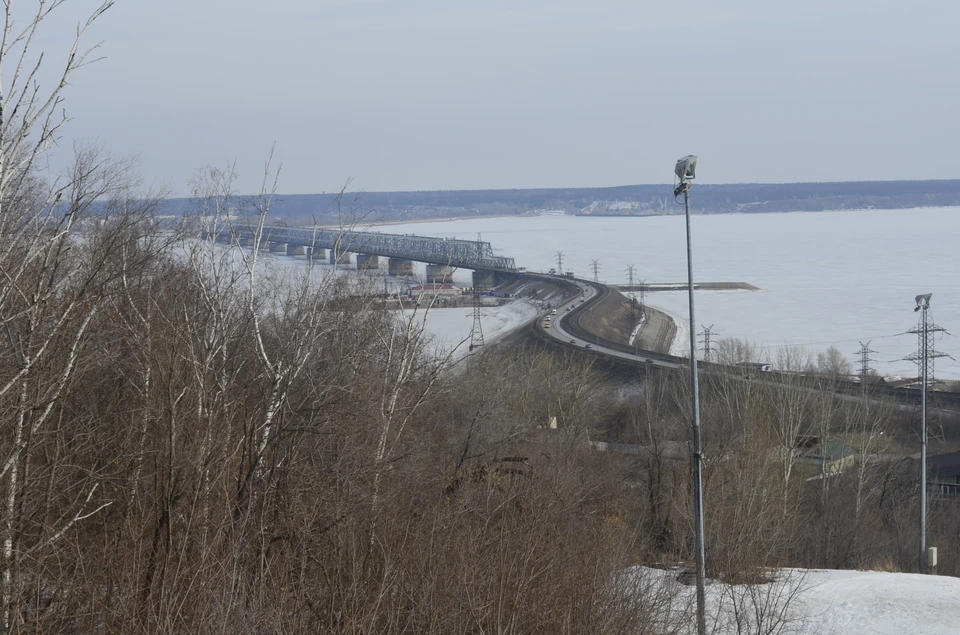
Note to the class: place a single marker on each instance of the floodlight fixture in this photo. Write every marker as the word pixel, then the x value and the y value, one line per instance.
pixel 686 168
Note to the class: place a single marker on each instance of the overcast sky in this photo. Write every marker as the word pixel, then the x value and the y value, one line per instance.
pixel 457 94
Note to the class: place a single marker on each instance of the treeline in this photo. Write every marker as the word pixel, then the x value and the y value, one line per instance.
pixel 306 209
pixel 194 441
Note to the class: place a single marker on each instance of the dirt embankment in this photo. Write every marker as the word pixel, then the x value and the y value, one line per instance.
pixel 658 332
pixel 615 317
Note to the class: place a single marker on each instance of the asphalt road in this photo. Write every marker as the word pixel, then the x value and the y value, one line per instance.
pixel 565 330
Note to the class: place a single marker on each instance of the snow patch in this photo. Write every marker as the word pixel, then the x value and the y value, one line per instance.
pixel 450 329
pixel 636 331
pixel 816 601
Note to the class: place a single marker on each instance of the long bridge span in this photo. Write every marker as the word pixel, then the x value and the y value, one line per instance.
pixel 442 255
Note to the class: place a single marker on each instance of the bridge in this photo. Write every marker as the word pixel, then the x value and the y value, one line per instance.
pixel 442 255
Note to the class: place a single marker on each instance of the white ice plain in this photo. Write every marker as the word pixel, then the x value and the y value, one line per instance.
pixel 826 278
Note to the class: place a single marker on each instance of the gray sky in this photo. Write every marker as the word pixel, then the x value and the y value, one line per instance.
pixel 456 94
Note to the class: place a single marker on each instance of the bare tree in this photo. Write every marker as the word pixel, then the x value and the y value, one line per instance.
pixel 833 362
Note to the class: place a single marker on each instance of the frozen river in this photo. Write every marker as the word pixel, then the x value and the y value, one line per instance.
pixel 826 278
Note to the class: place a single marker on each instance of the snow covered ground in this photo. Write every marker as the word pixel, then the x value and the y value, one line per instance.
pixel 449 329
pixel 830 602
pixel 881 603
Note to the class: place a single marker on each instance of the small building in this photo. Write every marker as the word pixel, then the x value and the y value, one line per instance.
pixel 943 474
pixel 434 289
pixel 761 367
pixel 830 456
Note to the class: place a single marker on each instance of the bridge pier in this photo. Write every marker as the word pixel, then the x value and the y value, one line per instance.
pixel 316 253
pixel 503 277
pixel 296 250
pixel 483 279
pixel 399 267
pixel 339 258
pixel 277 248
pixel 440 273
pixel 366 261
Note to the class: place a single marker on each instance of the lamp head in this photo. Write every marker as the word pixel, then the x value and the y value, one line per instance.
pixel 923 301
pixel 686 168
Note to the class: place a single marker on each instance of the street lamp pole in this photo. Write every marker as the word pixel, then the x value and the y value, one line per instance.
pixel 686 172
pixel 923 303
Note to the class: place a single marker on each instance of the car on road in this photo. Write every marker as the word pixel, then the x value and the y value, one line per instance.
pixel 587 346
pixel 573 341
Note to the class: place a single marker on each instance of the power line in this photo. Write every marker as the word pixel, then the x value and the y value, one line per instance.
pixel 843 341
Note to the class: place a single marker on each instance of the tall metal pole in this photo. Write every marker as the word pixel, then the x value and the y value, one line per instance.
pixel 697 454
pixel 923 448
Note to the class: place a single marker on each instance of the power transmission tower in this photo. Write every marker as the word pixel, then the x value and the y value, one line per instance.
pixel 707 334
pixel 633 294
pixel 596 270
pixel 926 355
pixel 865 359
pixel 476 332
pixel 560 262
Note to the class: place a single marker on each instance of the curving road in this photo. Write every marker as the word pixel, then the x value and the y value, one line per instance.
pixel 565 330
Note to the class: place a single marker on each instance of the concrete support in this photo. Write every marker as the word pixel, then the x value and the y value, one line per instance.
pixel 316 253
pixel 342 257
pixel 399 267
pixel 440 273
pixel 278 248
pixel 503 277
pixel 366 261
pixel 264 245
pixel 483 279
pixel 296 250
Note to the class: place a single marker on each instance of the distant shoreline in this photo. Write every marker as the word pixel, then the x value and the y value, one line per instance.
pixel 448 219
pixel 445 219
